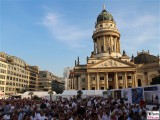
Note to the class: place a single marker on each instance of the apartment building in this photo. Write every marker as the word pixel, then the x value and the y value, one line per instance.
pixel 15 72
pixel 16 75
pixel 45 80
pixel 34 76
pixel 3 71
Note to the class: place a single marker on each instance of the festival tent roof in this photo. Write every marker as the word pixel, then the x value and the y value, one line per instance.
pixel 42 94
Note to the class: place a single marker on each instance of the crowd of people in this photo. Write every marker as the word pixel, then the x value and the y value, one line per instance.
pixel 91 108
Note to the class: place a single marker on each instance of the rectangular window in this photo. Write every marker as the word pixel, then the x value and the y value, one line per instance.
pixel 83 88
pixel 119 77
pixel 102 88
pixel 102 48
pixel 93 88
pixel 83 80
pixel 92 78
pixel 129 77
pixel 44 75
pixel 109 79
pixel 101 78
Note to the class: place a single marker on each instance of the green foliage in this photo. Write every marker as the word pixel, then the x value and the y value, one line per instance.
pixel 79 93
pixel 156 80
pixel 35 97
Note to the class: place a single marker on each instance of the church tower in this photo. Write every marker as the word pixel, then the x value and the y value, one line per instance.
pixel 106 36
pixel 106 68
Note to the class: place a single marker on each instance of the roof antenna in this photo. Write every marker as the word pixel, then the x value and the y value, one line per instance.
pixel 104 7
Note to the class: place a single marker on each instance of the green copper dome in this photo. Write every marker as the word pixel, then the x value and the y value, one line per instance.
pixel 104 15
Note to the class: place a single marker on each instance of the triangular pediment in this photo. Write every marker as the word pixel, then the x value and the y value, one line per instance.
pixel 109 63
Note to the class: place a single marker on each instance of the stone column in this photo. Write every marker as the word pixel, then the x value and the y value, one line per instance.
pixel 135 80
pixel 118 45
pixel 106 81
pixel 88 81
pixel 126 82
pixel 146 78
pixel 115 47
pixel 97 81
pixel 116 80
pixel 110 42
pixel 104 45
pixel 94 47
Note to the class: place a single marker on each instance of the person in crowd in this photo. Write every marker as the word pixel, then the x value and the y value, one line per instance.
pixel 90 108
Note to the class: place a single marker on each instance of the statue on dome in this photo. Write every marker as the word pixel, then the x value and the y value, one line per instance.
pixel 124 52
pixel 87 59
pixel 75 63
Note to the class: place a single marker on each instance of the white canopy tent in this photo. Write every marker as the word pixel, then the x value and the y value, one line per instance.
pixel 41 94
pixel 86 93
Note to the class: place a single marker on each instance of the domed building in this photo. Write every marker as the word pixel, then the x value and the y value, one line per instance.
pixel 107 68
pixel 147 67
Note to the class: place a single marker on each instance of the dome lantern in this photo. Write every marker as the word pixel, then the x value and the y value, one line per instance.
pixel 104 15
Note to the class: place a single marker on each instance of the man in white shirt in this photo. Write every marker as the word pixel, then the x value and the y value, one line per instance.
pixel 6 117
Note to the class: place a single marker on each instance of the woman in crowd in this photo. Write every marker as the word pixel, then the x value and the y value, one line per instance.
pixel 92 108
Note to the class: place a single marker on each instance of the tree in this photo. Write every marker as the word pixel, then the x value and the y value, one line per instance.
pixel 79 93
pixel 31 94
pixel 50 94
pixel 35 97
pixel 57 87
pixel 155 80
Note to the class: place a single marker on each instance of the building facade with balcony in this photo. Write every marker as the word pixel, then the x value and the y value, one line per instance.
pixel 34 77
pixel 15 72
pixel 107 68
pixel 45 80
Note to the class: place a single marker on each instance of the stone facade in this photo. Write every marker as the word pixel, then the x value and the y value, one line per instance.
pixel 107 68
pixel 45 80
pixel 16 73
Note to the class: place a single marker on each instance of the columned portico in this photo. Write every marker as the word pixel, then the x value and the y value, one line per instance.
pixel 107 68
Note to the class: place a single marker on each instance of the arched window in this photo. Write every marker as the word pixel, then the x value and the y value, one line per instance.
pixel 139 82
pixel 102 48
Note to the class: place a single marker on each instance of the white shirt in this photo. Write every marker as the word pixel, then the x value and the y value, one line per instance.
pixel 33 118
pixel 105 117
pixel 71 118
pixel 6 117
pixel 89 103
pixel 73 104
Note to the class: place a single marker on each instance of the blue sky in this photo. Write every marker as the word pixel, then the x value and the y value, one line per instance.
pixel 52 33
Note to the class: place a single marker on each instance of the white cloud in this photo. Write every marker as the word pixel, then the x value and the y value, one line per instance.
pixel 139 32
pixel 69 34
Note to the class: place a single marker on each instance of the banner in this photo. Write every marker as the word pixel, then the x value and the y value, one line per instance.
pixel 151 95
pixel 126 95
pixel 137 95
